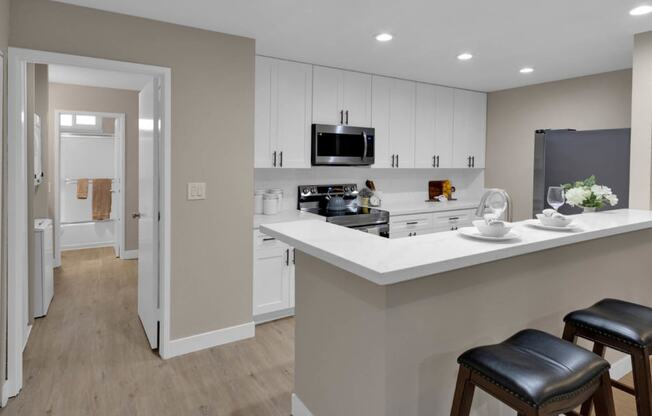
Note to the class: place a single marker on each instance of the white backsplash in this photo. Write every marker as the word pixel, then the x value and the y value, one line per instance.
pixel 396 184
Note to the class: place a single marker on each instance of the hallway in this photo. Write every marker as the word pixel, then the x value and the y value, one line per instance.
pixel 89 356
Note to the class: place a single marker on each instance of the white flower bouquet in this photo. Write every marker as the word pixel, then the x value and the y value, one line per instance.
pixel 587 194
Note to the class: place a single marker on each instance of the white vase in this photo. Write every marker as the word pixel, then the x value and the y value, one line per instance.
pixel 589 209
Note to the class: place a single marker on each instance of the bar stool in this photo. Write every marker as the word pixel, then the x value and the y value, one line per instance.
pixel 535 374
pixel 623 326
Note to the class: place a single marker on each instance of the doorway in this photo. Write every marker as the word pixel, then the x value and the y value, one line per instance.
pixel 154 170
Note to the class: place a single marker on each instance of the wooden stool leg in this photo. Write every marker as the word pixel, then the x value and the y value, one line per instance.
pixel 463 393
pixel 569 333
pixel 598 349
pixel 603 397
pixel 642 382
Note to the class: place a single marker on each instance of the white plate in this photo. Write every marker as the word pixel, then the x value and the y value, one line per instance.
pixel 538 224
pixel 474 233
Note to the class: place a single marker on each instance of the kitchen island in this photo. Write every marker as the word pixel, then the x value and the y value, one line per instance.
pixel 380 323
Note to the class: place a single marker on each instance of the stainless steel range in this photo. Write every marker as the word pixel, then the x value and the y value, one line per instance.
pixel 338 203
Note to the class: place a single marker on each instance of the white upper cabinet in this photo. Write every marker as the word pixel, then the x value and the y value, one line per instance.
pixel 433 127
pixel 341 97
pixel 469 129
pixel 283 113
pixel 393 118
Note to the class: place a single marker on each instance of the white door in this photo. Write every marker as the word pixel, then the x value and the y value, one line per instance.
pixel 293 111
pixel 148 271
pixel 263 144
pixel 433 127
pixel 272 279
pixel 401 122
pixel 116 188
pixel 380 116
pixel 327 92
pixel 469 129
pixel 356 99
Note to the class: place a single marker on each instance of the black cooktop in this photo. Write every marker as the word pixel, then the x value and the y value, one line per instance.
pixel 352 210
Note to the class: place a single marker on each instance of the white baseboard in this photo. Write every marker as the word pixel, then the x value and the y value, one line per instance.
pixel 298 408
pixel 71 247
pixel 28 332
pixel 129 255
pixel 621 368
pixel 210 339
pixel 273 316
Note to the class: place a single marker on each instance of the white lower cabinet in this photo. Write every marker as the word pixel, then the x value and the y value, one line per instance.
pixel 273 282
pixel 401 226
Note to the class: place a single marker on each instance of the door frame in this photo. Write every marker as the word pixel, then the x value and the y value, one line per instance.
pixel 121 157
pixel 18 188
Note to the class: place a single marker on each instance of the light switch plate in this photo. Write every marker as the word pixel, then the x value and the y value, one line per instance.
pixel 196 191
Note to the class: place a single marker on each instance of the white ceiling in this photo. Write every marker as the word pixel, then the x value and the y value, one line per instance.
pixel 64 74
pixel 559 38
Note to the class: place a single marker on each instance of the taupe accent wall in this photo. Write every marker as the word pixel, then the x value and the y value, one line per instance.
pixel 641 154
pixel 212 141
pixel 600 101
pixel 105 100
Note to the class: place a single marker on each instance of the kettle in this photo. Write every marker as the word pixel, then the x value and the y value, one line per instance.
pixel 335 202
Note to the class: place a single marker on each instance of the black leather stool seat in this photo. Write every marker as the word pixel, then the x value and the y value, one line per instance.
pixel 618 319
pixel 536 367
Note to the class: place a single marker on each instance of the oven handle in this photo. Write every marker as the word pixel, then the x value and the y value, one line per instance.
pixel 364 137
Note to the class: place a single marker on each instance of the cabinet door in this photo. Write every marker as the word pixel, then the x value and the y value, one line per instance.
pixel 263 145
pixel 425 126
pixel 401 122
pixel 293 112
pixel 469 128
pixel 444 99
pixel 327 96
pixel 380 121
pixel 271 280
pixel 356 98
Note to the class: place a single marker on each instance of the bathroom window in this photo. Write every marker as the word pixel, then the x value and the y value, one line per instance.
pixel 86 123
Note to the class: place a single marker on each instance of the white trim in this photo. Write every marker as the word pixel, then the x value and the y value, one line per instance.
pixel 17 194
pixel 28 332
pixel 298 408
pixel 273 316
pixel 211 339
pixel 621 368
pixel 99 244
pixel 121 224
pixel 129 254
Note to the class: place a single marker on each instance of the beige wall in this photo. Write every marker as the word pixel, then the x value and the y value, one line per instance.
pixel 594 102
pixel 106 100
pixel 4 42
pixel 212 141
pixel 641 157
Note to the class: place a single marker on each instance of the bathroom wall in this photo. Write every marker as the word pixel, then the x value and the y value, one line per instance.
pixel 396 184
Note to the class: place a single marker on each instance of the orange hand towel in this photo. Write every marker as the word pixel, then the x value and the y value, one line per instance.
pixel 82 188
pixel 101 199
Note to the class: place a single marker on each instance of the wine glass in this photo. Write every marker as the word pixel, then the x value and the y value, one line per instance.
pixel 496 204
pixel 556 197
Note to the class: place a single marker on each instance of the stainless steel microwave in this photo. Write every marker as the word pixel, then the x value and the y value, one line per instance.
pixel 342 145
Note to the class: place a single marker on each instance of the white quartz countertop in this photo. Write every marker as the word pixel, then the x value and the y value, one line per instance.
pixel 419 207
pixel 289 215
pixel 390 261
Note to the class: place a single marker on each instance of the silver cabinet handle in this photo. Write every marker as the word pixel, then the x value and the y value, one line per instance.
pixel 294 256
pixel 472 161
pixel 287 257
pixel 434 161
pixel 341 116
pixel 453 218
pixel 469 164
pixel 281 159
pixel 274 162
pixel 396 160
pixel 347 116
pixel 136 215
pixel 393 157
pixel 412 223
pixel 269 239
pixel 437 160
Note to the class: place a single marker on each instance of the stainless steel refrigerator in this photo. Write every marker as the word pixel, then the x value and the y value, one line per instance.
pixel 563 156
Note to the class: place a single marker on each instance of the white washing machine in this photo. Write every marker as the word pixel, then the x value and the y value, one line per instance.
pixel 43 266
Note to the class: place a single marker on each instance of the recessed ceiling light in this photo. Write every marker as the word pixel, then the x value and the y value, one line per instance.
pixel 464 56
pixel 384 37
pixel 526 70
pixel 641 10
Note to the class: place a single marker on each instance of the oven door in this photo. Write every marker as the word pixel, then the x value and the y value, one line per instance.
pixel 381 230
pixel 342 145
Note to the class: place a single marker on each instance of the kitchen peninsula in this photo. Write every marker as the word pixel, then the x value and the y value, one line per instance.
pixel 380 322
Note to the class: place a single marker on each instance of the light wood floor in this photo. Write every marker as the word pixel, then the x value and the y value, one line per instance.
pixel 89 356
